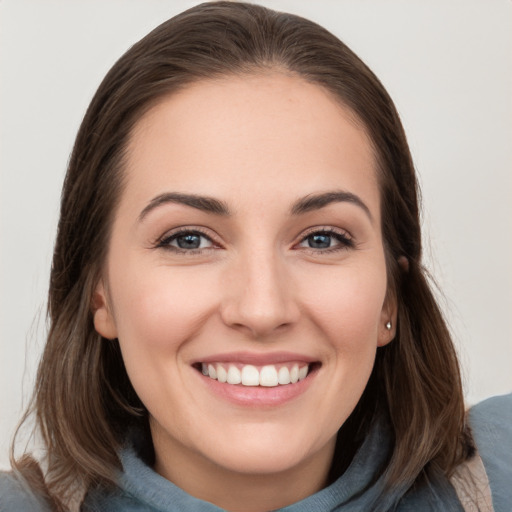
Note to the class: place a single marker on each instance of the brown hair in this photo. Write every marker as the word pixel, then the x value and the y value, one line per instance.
pixel 83 399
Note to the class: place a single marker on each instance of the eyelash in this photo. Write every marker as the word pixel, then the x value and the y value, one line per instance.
pixel 344 240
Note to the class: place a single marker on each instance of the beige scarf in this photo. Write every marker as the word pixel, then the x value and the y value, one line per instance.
pixel 472 486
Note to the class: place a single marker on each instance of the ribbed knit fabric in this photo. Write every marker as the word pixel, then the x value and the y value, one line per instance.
pixel 491 422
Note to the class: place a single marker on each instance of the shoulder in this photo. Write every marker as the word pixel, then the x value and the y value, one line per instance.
pixel 491 424
pixel 16 495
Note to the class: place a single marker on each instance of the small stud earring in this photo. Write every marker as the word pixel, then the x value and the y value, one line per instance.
pixel 388 326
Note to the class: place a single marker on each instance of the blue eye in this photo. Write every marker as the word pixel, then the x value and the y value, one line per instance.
pixel 326 240
pixel 186 241
pixel 190 241
pixel 319 241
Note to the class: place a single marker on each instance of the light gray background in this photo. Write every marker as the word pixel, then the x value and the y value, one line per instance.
pixel 448 66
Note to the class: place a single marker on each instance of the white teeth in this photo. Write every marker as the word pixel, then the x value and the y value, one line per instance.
pixel 283 377
pixel 222 374
pixel 234 375
pixel 249 375
pixel 294 374
pixel 268 376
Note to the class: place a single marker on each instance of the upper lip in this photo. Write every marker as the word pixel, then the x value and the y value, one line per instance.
pixel 256 359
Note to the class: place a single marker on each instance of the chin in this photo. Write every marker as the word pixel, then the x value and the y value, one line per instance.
pixel 265 451
pixel 261 462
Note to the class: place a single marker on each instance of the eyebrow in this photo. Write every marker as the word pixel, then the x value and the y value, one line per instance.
pixel 217 207
pixel 318 201
pixel 203 203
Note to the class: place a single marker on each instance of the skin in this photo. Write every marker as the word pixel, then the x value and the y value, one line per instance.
pixel 258 143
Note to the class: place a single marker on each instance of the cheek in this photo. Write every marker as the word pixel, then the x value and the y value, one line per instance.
pixel 346 310
pixel 347 303
pixel 159 309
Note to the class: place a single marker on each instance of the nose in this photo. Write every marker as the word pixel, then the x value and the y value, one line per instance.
pixel 259 298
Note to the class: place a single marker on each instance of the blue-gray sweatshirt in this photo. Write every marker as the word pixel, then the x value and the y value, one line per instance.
pixel 141 489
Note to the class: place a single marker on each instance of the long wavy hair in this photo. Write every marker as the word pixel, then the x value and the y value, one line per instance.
pixel 83 399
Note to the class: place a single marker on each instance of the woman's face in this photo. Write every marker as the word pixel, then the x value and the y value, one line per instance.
pixel 247 245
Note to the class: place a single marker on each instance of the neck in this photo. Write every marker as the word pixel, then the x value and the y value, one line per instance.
pixel 241 492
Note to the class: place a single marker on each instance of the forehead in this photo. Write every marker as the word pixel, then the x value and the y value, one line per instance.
pixel 276 130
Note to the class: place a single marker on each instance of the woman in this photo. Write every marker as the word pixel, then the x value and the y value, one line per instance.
pixel 239 315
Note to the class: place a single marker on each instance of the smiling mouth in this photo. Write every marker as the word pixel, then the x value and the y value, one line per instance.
pixel 270 376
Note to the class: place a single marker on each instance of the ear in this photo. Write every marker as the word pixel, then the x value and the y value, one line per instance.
pixel 103 320
pixel 388 319
pixel 403 263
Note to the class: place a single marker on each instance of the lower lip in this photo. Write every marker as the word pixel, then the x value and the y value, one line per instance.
pixel 258 396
